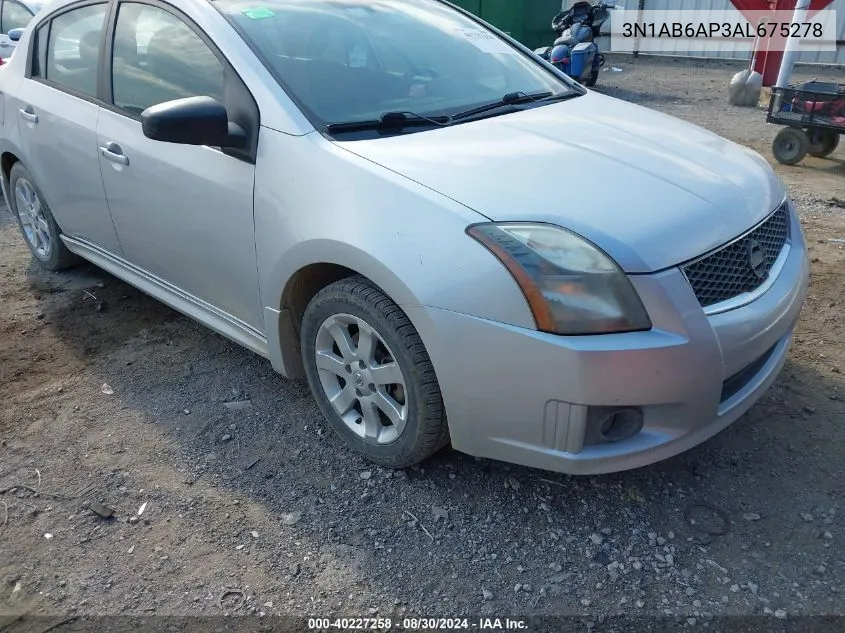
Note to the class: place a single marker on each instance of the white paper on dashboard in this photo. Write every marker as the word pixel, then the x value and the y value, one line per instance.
pixel 487 42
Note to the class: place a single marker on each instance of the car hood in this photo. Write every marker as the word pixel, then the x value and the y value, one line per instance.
pixel 649 189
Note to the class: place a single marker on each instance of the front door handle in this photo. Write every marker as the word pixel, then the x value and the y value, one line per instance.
pixel 28 115
pixel 112 151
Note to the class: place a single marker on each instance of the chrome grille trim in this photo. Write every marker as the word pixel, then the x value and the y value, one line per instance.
pixel 724 280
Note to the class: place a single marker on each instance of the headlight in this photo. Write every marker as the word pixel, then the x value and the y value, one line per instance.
pixel 571 285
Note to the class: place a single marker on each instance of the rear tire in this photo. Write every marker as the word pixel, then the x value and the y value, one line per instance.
pixel 825 144
pixel 598 62
pixel 36 223
pixel 790 146
pixel 371 375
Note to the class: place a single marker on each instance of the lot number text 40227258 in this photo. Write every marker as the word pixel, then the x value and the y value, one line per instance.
pixel 415 624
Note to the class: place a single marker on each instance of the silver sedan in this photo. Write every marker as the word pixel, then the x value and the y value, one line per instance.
pixel 451 240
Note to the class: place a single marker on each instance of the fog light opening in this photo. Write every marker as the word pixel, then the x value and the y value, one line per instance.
pixel 621 425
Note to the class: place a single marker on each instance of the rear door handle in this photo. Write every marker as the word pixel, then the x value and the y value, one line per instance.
pixel 28 115
pixel 112 151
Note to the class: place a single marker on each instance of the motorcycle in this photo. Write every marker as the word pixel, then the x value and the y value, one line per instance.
pixel 575 51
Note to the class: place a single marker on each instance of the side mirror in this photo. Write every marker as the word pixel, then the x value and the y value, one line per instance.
pixel 192 121
pixel 15 34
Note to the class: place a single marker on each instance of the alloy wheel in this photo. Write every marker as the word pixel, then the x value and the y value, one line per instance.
pixel 31 214
pixel 361 378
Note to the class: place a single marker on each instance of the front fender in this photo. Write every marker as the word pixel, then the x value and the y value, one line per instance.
pixel 316 202
pixel 332 251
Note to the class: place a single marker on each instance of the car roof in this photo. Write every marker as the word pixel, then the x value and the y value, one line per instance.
pixel 52 5
pixel 58 4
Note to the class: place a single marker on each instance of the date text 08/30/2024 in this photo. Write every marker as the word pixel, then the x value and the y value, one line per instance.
pixel 416 624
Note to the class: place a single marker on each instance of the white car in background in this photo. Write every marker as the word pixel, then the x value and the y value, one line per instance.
pixel 14 14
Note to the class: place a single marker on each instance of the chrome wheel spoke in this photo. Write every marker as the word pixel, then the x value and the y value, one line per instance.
pixel 330 362
pixel 344 399
pixel 42 225
pixel 24 191
pixel 395 412
pixel 22 201
pixel 387 374
pixel 372 423
pixel 43 238
pixel 367 339
pixel 340 334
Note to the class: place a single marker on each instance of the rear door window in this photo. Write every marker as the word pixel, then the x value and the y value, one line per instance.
pixel 73 49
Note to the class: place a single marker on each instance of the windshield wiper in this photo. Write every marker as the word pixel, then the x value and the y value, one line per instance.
pixel 515 98
pixel 561 96
pixel 397 121
pixel 512 98
pixel 389 121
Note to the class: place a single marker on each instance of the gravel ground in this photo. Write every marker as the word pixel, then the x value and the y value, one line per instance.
pixel 223 476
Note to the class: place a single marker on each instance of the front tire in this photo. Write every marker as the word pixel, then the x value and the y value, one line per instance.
pixel 371 375
pixel 36 222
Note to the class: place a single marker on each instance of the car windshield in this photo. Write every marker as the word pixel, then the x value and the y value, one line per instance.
pixel 345 61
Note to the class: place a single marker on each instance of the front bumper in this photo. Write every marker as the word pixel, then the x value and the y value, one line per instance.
pixel 522 396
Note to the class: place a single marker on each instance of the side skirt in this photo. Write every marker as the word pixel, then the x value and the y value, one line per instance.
pixel 218 320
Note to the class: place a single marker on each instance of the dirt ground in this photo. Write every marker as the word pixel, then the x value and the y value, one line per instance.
pixel 108 396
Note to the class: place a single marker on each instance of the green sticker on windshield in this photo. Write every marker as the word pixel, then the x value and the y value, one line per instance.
pixel 258 13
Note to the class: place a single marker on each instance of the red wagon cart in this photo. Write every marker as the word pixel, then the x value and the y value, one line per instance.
pixel 814 116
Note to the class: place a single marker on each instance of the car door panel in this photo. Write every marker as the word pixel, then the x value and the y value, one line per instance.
pixel 58 133
pixel 184 213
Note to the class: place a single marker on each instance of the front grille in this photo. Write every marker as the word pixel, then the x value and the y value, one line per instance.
pixel 727 272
